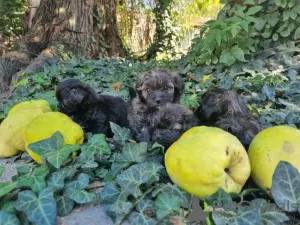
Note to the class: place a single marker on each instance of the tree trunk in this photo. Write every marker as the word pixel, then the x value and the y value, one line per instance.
pixel 86 28
pixel 73 24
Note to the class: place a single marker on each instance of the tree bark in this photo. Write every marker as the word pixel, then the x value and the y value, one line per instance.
pixel 73 24
pixel 86 28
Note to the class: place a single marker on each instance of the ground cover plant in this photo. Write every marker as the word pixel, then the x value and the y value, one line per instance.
pixel 264 70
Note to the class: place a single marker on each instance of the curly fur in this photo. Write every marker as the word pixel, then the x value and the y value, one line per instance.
pixel 219 102
pixel 225 109
pixel 153 89
pixel 91 111
pixel 245 128
pixel 169 122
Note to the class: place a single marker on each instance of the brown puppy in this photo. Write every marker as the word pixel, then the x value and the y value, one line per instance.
pixel 225 109
pixel 169 122
pixel 220 102
pixel 154 88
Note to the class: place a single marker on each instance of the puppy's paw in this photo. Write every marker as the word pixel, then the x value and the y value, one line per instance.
pixel 144 135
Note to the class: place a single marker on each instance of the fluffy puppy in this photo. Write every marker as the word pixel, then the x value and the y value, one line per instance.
pixel 91 111
pixel 245 128
pixel 153 89
pixel 169 122
pixel 219 102
pixel 225 109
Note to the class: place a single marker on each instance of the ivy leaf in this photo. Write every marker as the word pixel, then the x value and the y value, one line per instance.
pixel 64 204
pixel 286 186
pixel 140 219
pixel 131 179
pixel 121 134
pixel 251 11
pixel 57 179
pixel 39 210
pixel 292 74
pixel 131 153
pixel 6 187
pixel 81 183
pixel 221 199
pixel 54 143
pixel 57 157
pixel 80 196
pixel 185 198
pixel 2 169
pixel 24 169
pixel 144 208
pixel 293 117
pixel 111 193
pixel 167 204
pixel 245 216
pixel 9 206
pixel 118 210
pixel 152 170
pixel 96 145
pixel 268 92
pixel 269 213
pixel 36 180
pixel 115 202
pixel 7 218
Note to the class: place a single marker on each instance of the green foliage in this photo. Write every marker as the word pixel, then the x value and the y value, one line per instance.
pixel 39 209
pixel 54 187
pixel 137 187
pixel 285 186
pixel 243 30
pixel 11 17
pixel 106 76
pixel 165 37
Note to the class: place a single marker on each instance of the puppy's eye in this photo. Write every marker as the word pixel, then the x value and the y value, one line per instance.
pixel 166 88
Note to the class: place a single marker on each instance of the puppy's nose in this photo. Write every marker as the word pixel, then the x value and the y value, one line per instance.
pixel 158 136
pixel 158 100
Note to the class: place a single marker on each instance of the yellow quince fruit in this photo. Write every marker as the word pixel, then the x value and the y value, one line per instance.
pixel 268 148
pixel 11 139
pixel 32 104
pixel 45 125
pixel 205 159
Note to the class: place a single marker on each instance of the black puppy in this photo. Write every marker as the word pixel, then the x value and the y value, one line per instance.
pixel 225 109
pixel 169 122
pixel 91 111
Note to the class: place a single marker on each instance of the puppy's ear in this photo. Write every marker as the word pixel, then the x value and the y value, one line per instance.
pixel 178 87
pixel 132 93
pixel 140 87
pixel 89 96
pixel 190 121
